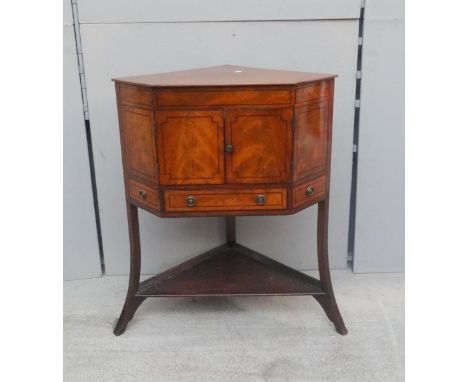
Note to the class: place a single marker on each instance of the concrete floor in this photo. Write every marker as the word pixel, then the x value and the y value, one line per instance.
pixel 236 339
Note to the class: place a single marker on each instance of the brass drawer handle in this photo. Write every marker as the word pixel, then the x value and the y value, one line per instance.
pixel 309 191
pixel 260 200
pixel 229 148
pixel 190 201
pixel 142 194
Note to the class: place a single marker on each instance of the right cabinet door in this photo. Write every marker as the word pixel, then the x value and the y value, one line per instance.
pixel 258 145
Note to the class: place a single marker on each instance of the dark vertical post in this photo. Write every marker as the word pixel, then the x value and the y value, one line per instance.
pixel 131 302
pixel 322 246
pixel 230 230
pixel 327 300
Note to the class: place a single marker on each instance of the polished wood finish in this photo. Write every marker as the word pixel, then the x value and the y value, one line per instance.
pixel 132 301
pixel 219 137
pixel 230 271
pixel 262 145
pixel 225 76
pixel 136 96
pixel 140 145
pixel 227 141
pixel 225 200
pixel 313 92
pixel 302 194
pixel 327 300
pixel 191 147
pixel 230 230
pixel 142 194
pixel 222 97
pixel 311 139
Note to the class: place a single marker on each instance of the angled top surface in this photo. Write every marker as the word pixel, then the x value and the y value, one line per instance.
pixel 225 75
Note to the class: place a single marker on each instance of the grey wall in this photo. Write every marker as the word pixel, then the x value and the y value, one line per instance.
pixel 379 240
pixel 123 37
pixel 146 42
pixel 80 246
pixel 151 11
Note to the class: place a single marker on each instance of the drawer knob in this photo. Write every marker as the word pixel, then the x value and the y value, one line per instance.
pixel 309 191
pixel 229 148
pixel 190 201
pixel 142 194
pixel 260 200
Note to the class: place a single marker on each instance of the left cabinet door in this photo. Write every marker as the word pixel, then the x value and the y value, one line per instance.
pixel 139 143
pixel 191 147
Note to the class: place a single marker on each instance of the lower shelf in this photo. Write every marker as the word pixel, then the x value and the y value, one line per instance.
pixel 230 271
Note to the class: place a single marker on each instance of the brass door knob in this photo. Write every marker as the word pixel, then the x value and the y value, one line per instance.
pixel 229 148
pixel 142 194
pixel 260 200
pixel 190 201
pixel 309 191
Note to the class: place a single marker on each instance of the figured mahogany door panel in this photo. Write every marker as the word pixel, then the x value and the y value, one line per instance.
pixel 258 145
pixel 140 145
pixel 225 200
pixel 191 147
pixel 311 138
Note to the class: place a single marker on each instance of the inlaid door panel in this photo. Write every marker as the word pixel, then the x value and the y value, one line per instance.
pixel 140 145
pixel 311 139
pixel 260 142
pixel 191 147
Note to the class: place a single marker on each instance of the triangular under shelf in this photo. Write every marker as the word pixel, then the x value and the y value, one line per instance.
pixel 230 271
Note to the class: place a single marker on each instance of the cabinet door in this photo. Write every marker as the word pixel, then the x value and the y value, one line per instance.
pixel 191 147
pixel 261 141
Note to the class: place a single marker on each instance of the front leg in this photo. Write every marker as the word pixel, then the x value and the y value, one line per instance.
pixel 132 302
pixel 327 301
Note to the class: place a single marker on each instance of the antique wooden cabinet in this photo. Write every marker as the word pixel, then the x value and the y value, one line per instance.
pixel 227 141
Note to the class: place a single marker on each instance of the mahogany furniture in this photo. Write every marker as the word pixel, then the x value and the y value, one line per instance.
pixel 227 141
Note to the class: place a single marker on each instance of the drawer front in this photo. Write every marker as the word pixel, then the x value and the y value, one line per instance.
pixel 227 200
pixel 143 194
pixel 313 92
pixel 223 97
pixel 309 192
pixel 134 95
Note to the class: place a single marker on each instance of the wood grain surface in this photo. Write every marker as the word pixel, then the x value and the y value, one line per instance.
pixel 220 200
pixel 225 75
pixel 191 147
pixel 262 145
pixel 140 144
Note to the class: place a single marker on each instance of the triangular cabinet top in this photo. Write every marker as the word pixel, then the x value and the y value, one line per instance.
pixel 225 75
